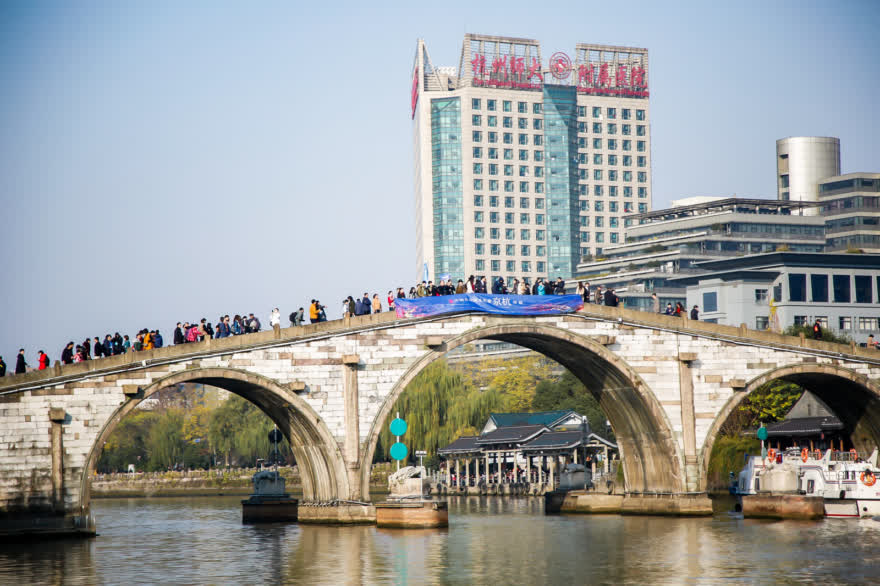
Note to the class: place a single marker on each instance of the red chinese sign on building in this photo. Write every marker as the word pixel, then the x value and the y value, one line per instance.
pixel 602 78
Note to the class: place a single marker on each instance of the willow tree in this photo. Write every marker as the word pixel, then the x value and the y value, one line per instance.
pixel 439 405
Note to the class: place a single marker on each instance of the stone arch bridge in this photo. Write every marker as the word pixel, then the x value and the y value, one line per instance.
pixel 667 385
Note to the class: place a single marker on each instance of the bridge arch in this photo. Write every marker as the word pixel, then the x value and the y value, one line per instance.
pixel 318 457
pixel 852 396
pixel 651 456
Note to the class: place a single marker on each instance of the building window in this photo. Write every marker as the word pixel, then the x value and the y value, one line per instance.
pixel 612 207
pixel 479 248
pixel 641 161
pixel 523 186
pixel 493 217
pixel 597 128
pixel 539 187
pixel 863 289
pixel 509 249
pixel 525 250
pixel 525 234
pixel 507 105
pixel 476 136
pixel 612 175
pixel 508 138
pixel 797 287
pixel 494 233
pixel 537 124
pixel 522 107
pixel 495 250
pixel 508 186
pixel 493 185
pixel 599 221
pixel 478 152
pixel 493 201
pixel 597 190
pixel 819 288
pixel 598 206
pixel 475 103
pixel 540 251
pixel 643 207
pixel 626 129
pixel 508 170
pixel 496 266
pixel 523 154
pixel 640 130
pixel 479 233
pixel 539 219
pixel 597 174
pixel 478 168
pixel 760 296
pixel 626 145
pixel 539 155
pixel 762 322
pixel 597 112
pixel 490 105
pixel 627 190
pixel 508 202
pixel 508 154
pixel 522 123
pixel 868 324
pixel 612 190
pixel 478 184
pixel 640 114
pixel 627 175
pixel 476 120
pixel 612 159
pixel 523 218
pixel 539 203
pixel 612 144
pixel 478 200
pixel 538 140
pixel 537 108
pixel 640 146
pixel 612 128
pixel 841 286
pixel 625 113
pixel 642 176
pixel 507 122
pixel 510 265
pixel 540 235
pixel 643 192
pixel 613 234
pixel 508 217
pixel 777 293
pixel 600 237
pixel 493 121
pixel 480 265
pixel 540 267
pixel 526 266
pixel 581 111
pixel 612 113
pixel 493 137
pixel 597 159
pixel 800 320
pixel 844 322
pixel 493 153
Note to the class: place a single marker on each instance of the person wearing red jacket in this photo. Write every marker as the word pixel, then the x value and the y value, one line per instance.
pixel 43 359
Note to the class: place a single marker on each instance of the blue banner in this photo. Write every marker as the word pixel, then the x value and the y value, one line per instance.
pixel 503 304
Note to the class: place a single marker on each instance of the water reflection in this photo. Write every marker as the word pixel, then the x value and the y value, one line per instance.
pixel 490 539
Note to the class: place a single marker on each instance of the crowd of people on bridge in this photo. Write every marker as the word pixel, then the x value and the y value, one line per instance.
pixel 366 304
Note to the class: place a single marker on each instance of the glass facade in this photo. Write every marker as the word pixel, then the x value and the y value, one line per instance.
pixel 560 130
pixel 447 186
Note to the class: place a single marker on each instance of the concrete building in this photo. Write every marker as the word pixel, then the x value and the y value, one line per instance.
pixel 851 208
pixel 664 243
pixel 525 164
pixel 803 161
pixel 842 291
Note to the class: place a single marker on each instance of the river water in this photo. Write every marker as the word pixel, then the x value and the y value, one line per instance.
pixel 490 540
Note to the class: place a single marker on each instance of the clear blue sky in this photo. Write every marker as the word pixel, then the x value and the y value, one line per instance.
pixel 165 161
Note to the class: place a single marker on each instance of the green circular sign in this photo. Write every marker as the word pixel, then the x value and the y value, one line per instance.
pixel 398 426
pixel 762 433
pixel 398 450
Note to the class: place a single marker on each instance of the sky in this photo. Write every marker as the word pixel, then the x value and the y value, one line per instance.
pixel 167 161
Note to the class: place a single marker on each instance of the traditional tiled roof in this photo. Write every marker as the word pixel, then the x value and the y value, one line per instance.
pixel 804 426
pixel 554 440
pixel 515 434
pixel 547 418
pixel 464 444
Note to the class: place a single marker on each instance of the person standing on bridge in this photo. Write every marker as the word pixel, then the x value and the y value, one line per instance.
pixel 377 303
pixel 2 367
pixel 817 330
pixel 67 354
pixel 655 303
pixel 275 319
pixel 43 360
pixel 20 363
pixel 695 313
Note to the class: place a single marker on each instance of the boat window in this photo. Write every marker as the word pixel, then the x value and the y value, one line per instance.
pixel 757 484
pixel 811 486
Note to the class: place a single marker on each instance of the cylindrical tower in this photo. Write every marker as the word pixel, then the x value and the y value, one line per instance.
pixel 803 161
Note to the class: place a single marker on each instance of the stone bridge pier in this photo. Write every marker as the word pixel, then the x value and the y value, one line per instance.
pixel 666 384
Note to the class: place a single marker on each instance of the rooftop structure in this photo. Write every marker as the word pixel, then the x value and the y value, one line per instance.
pixel 801 162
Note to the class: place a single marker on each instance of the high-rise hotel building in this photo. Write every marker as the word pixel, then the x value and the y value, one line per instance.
pixel 525 164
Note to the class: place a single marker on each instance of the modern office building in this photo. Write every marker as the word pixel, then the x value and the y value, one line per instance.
pixel 525 164
pixel 850 205
pixel 803 161
pixel 842 291
pixel 664 243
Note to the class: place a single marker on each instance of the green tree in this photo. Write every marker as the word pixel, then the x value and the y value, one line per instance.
pixel 568 392
pixel 165 441
pixel 128 443
pixel 770 402
pixel 518 378
pixel 827 334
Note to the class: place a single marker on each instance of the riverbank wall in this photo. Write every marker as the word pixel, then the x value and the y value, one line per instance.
pixel 216 482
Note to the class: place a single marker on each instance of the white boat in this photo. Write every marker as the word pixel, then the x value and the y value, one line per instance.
pixel 847 483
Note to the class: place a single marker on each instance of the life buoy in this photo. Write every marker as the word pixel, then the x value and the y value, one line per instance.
pixel 854 453
pixel 868 478
pixel 771 454
pixel 805 454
